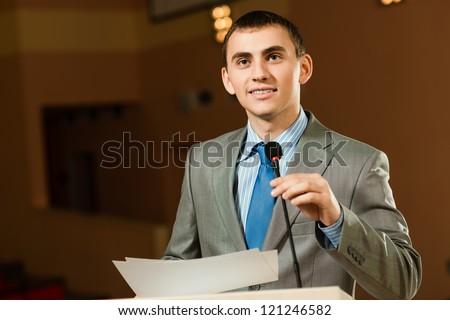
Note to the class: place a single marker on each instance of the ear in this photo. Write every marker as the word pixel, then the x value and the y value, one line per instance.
pixel 306 68
pixel 226 81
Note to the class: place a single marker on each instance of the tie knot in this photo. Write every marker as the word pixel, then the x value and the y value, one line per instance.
pixel 262 154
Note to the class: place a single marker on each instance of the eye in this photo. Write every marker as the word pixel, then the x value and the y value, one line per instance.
pixel 274 57
pixel 242 62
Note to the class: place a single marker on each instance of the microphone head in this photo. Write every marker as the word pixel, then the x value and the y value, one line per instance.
pixel 273 150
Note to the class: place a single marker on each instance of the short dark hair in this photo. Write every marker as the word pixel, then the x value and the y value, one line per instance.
pixel 259 20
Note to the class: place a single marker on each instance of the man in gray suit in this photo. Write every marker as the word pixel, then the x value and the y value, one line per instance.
pixel 343 218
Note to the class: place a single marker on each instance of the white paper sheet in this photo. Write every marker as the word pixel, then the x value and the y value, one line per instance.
pixel 161 278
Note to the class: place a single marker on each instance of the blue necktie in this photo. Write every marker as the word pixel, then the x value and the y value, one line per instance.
pixel 261 204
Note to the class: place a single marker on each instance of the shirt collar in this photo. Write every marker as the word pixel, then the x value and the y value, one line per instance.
pixel 288 139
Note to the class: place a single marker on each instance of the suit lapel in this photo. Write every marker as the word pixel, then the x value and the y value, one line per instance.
pixel 223 184
pixel 311 156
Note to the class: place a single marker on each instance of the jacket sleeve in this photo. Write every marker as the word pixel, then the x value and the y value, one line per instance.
pixel 184 242
pixel 375 247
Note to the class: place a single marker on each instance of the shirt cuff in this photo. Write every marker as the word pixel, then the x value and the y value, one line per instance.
pixel 333 232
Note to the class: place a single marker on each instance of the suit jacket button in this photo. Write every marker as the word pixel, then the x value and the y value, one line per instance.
pixel 350 250
pixel 255 287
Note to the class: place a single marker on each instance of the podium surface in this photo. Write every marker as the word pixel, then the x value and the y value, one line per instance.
pixel 317 293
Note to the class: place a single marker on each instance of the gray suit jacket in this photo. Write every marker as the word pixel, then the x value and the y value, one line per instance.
pixel 375 249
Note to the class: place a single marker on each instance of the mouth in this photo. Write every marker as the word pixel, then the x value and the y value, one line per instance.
pixel 262 91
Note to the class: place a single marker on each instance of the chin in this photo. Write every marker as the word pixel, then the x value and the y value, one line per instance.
pixel 265 115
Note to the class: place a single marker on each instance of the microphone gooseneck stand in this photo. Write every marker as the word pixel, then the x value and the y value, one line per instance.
pixel 274 152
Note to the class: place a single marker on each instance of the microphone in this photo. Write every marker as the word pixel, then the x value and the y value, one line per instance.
pixel 274 152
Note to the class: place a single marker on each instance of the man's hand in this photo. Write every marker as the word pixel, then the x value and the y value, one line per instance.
pixel 311 194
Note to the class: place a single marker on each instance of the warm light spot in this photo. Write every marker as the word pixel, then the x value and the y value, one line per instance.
pixel 219 24
pixel 222 21
pixel 388 2
pixel 220 36
pixel 220 12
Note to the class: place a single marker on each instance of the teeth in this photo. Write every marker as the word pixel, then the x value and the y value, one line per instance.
pixel 262 91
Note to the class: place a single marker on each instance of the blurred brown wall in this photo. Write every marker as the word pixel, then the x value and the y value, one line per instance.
pixel 379 76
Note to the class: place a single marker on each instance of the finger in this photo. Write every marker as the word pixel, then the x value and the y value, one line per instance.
pixel 307 198
pixel 292 189
pixel 277 181
pixel 295 176
pixel 280 180
pixel 284 184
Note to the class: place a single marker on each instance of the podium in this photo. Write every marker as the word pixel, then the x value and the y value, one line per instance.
pixel 213 278
pixel 316 293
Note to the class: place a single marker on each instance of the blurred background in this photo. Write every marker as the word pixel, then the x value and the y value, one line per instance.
pixel 100 100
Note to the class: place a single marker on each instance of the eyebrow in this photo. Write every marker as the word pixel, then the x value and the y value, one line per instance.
pixel 273 49
pixel 264 52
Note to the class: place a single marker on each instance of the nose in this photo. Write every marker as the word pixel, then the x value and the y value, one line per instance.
pixel 259 72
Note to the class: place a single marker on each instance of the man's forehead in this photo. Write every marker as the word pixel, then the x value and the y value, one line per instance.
pixel 259 39
pixel 259 31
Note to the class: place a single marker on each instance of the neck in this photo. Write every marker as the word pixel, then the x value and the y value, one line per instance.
pixel 269 129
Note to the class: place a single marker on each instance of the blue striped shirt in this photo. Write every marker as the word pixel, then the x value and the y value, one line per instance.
pixel 248 165
pixel 333 232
